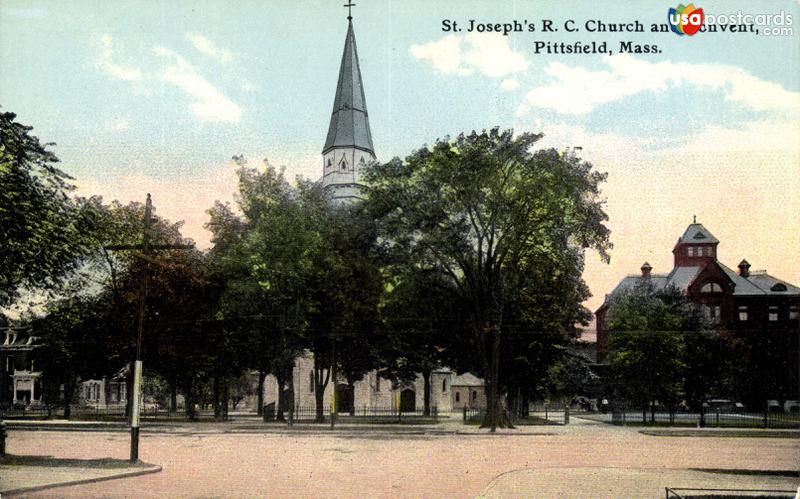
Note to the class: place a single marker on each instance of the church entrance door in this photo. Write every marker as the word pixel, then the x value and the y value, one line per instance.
pixel 408 400
pixel 344 398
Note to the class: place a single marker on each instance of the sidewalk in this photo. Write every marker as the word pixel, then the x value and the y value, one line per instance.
pixel 24 474
pixel 613 483
pixel 446 426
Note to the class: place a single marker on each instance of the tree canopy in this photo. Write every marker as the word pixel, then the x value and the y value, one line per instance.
pixel 44 232
pixel 483 210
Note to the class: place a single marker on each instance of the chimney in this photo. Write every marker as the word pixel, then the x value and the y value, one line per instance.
pixel 744 268
pixel 646 268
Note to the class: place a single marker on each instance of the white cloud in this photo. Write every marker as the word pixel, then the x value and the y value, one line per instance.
pixel 207 47
pixel 249 86
pixel 120 125
pixel 740 180
pixel 577 90
pixel 106 64
pixel 487 54
pixel 509 85
pixel 210 104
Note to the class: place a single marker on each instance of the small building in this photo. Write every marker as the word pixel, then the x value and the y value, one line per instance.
pixel 20 382
pixel 104 393
pixel 468 392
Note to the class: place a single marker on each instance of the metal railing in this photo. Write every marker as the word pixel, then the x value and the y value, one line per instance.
pixel 713 417
pixel 537 414
pixel 696 493
pixel 358 414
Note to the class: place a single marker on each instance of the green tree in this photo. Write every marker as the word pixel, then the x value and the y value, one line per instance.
pixel 481 209
pixel 420 318
pixel 647 327
pixel 68 349
pixel 43 231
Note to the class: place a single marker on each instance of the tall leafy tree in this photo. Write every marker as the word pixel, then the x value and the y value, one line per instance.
pixel 648 326
pixel 42 229
pixel 480 209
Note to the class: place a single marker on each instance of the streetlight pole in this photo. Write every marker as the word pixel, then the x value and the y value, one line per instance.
pixel 143 251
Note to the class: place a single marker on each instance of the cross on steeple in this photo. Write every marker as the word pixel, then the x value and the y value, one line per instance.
pixel 349 6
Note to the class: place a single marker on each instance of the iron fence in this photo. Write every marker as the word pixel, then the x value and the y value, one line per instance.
pixel 543 414
pixel 81 412
pixel 716 418
pixel 358 414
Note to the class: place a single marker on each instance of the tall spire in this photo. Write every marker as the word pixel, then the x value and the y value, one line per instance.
pixel 349 125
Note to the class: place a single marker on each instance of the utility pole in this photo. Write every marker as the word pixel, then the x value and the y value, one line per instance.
pixel 143 251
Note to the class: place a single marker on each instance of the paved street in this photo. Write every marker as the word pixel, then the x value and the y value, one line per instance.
pixel 201 460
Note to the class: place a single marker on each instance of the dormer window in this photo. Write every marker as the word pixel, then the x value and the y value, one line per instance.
pixel 711 287
pixel 778 287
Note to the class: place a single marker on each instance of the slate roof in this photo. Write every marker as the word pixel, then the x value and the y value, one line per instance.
pixel 682 277
pixel 467 379
pixel 696 233
pixel 349 125
pixel 766 282
pixel 743 286
pixel 757 283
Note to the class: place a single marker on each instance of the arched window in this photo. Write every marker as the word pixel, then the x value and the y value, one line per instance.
pixel 711 287
pixel 474 395
pixel 343 163
pixel 444 385
pixel 778 287
pixel 330 163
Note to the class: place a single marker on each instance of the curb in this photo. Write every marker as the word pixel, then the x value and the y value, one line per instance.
pixel 126 474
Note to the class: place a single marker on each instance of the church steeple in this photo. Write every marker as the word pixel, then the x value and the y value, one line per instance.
pixel 348 146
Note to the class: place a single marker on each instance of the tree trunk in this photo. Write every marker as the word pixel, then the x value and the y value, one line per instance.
pixel 226 397
pixel 426 397
pixel 290 387
pixel 280 376
pixel 216 396
pixel 353 391
pixel 493 417
pixel 173 393
pixel 321 377
pixel 189 400
pixel 319 398
pixel 262 375
pixel 69 392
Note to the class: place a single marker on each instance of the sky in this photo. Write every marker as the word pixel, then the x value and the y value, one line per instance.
pixel 148 96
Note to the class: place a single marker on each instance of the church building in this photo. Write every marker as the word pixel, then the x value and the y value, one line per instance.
pixel 347 151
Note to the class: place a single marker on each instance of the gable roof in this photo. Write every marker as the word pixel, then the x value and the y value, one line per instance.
pixel 696 233
pixel 349 125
